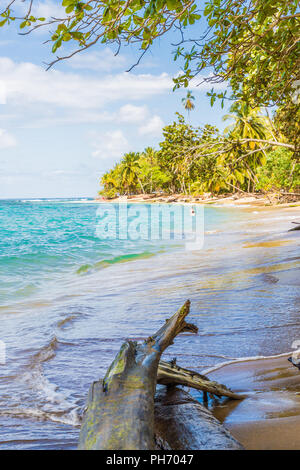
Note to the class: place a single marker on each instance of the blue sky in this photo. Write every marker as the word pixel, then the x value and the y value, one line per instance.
pixel 61 129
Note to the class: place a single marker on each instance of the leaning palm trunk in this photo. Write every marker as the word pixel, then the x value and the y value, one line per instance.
pixel 141 185
pixel 120 413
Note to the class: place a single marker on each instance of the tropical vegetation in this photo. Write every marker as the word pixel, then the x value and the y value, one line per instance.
pixel 251 155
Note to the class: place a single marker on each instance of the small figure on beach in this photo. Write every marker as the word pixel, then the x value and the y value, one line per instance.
pixel 193 213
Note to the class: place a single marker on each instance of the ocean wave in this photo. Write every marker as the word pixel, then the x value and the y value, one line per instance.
pixel 86 268
pixel 46 353
pixel 66 320
pixel 28 289
pixel 71 417
pixel 50 403
pixel 34 377
pixel 58 200
pixel 32 200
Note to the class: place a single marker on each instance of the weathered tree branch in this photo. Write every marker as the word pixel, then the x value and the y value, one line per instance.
pixel 172 374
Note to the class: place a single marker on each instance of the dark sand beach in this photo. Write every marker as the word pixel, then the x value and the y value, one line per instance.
pixel 269 418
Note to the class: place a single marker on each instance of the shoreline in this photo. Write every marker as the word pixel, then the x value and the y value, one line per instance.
pixel 239 200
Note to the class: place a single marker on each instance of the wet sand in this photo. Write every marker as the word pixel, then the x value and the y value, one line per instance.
pixel 269 418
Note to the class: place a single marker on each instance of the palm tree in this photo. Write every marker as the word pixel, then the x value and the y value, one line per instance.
pixel 149 154
pixel 248 123
pixel 188 102
pixel 109 180
pixel 130 170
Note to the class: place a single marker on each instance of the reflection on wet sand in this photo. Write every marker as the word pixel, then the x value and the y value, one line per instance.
pixel 268 244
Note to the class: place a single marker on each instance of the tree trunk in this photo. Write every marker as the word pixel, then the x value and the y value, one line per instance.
pixel 141 185
pixel 120 413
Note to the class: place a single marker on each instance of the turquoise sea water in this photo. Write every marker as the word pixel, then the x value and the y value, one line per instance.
pixel 68 299
pixel 41 242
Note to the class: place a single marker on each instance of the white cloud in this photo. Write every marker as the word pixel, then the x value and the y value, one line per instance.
pixel 61 98
pixel 68 118
pixel 102 61
pixel 132 114
pixel 6 139
pixel 45 8
pixel 127 114
pixel 109 145
pixel 27 83
pixel 197 84
pixel 152 127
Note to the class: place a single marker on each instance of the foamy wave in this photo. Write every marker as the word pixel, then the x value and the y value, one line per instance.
pixel 35 378
pixel 243 359
pixel 32 200
pixel 46 353
pixel 284 217
pixel 37 381
pixel 49 402
pixel 60 201
pixel 72 417
pixel 80 202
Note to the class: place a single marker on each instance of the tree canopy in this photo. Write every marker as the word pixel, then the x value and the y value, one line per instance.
pixel 251 44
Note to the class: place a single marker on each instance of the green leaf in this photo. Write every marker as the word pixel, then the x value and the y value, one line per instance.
pixel 69 9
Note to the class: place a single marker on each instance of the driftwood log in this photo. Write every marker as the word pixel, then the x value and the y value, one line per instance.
pixel 120 412
pixel 120 409
pixel 182 423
